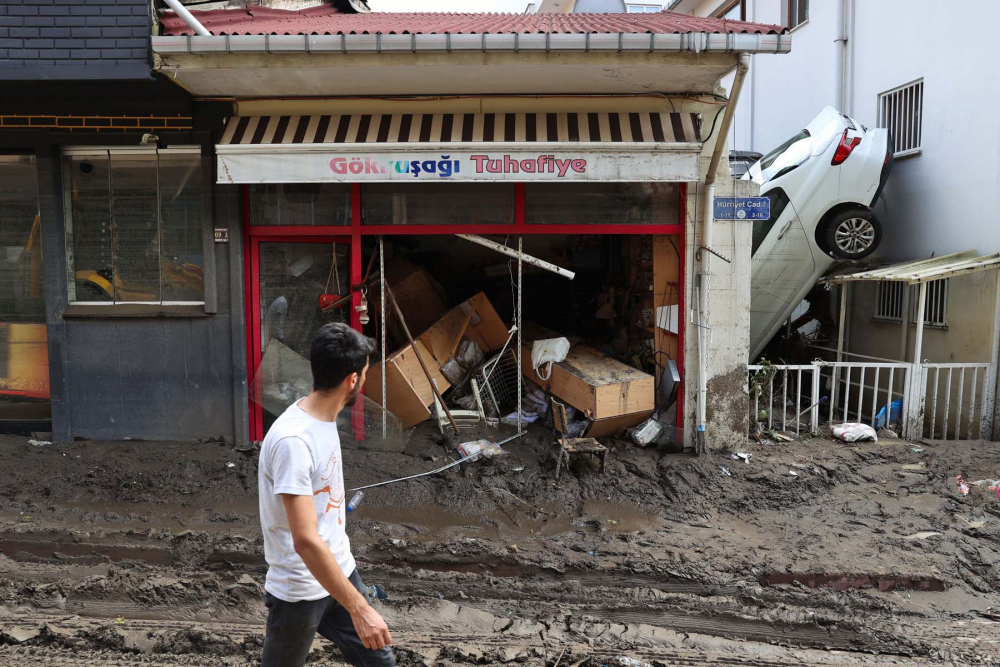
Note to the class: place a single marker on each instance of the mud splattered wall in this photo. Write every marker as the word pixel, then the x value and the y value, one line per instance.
pixel 727 331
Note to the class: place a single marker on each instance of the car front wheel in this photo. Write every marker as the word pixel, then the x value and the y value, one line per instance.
pixel 852 234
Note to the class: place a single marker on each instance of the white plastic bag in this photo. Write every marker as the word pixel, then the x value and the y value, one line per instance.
pixel 546 352
pixel 852 432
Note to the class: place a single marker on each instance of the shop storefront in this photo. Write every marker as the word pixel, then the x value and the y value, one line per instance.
pixel 600 193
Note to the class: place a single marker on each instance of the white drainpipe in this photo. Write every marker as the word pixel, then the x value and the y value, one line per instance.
pixel 841 42
pixel 706 243
pixel 188 17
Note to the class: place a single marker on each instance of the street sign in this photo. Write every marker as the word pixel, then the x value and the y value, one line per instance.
pixel 742 208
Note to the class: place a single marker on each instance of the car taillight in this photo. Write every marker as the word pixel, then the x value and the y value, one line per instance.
pixel 845 148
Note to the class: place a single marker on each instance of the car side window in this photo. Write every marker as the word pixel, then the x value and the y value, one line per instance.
pixel 761 228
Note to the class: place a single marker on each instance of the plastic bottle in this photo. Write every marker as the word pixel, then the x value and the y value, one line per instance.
pixel 355 501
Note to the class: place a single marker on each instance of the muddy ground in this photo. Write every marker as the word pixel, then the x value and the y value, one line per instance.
pixel 811 553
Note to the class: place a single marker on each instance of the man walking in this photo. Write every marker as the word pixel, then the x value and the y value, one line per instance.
pixel 312 583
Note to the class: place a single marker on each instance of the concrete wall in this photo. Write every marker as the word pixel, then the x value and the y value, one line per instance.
pixel 72 40
pixel 726 334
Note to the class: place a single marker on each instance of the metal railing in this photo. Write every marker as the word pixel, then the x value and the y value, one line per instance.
pixel 947 401
pixel 797 397
pixel 974 385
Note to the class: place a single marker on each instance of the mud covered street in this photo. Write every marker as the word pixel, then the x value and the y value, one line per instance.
pixel 810 553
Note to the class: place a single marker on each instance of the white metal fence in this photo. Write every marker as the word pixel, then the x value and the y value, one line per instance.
pixel 958 401
pixel 948 401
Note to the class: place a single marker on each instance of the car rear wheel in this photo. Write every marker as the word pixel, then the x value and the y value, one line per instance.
pixel 852 234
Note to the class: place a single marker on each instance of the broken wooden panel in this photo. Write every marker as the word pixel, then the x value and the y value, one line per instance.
pixel 485 328
pixel 419 300
pixel 408 393
pixel 598 386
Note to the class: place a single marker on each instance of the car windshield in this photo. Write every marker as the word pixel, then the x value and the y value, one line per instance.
pixel 786 157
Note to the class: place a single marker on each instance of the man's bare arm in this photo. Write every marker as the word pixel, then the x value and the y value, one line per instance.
pixel 301 512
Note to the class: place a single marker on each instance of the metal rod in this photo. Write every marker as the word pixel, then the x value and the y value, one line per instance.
pixel 436 470
pixel 188 18
pixel 937 377
pixel 798 402
pixel 784 399
pixel 972 399
pixel 381 276
pixel 958 405
pixel 888 397
pixel 861 392
pixel 888 411
pixel 534 261
pixel 517 321
pixel 427 373
pixel 947 405
pixel 770 404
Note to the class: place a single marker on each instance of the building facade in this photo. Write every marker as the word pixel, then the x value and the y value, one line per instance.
pixel 180 252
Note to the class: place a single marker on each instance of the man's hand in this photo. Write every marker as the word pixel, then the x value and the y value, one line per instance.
pixel 301 512
pixel 371 628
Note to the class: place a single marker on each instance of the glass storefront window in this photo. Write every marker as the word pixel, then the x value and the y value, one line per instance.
pixel 300 204
pixel 134 227
pixel 437 204
pixel 602 203
pixel 24 359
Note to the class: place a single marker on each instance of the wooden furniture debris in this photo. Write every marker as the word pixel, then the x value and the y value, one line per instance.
pixel 611 393
pixel 408 393
pixel 475 319
pixel 419 300
pixel 420 360
pixel 573 446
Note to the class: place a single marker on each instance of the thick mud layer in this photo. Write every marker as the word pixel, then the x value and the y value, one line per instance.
pixel 810 553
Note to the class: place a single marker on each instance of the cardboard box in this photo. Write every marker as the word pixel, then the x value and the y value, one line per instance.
pixel 408 393
pixel 485 328
pixel 598 386
pixel 418 300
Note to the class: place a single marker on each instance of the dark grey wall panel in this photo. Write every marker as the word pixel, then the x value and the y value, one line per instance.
pixel 74 40
pixel 153 379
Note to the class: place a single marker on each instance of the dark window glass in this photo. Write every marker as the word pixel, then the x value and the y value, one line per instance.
pixel 24 357
pixel 135 240
pixel 21 272
pixel 602 203
pixel 779 200
pixel 300 204
pixel 182 213
pixel 438 204
pixel 134 229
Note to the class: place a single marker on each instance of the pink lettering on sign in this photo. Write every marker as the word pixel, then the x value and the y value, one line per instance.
pixel 543 164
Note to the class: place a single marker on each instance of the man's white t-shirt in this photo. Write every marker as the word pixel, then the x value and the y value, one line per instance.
pixel 301 456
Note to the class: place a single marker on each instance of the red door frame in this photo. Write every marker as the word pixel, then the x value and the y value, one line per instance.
pixel 254 351
pixel 354 232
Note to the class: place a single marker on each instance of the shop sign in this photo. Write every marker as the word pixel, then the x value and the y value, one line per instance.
pixel 267 165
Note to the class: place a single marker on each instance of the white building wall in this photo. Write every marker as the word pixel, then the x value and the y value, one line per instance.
pixel 946 198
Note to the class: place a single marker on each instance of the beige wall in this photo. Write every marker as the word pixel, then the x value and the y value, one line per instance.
pixel 970 337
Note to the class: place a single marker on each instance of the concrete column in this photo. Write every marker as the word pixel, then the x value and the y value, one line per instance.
pixel 56 289
pixel 229 213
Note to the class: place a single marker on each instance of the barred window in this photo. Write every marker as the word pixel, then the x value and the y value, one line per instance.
pixel 890 297
pixel 901 111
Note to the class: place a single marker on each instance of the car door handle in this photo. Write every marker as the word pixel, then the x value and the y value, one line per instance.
pixel 784 230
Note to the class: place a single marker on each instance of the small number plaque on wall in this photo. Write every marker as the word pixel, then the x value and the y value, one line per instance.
pixel 222 235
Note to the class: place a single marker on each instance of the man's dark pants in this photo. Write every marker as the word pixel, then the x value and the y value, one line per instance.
pixel 292 626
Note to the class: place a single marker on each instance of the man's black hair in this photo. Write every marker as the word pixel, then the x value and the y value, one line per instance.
pixel 337 351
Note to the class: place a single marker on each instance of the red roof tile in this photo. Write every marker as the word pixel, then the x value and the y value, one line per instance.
pixel 326 20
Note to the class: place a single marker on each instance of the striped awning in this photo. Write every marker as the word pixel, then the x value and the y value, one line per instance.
pixel 643 127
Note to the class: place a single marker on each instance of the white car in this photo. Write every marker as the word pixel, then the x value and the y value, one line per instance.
pixel 823 184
